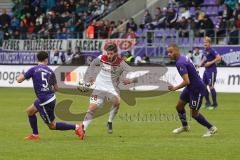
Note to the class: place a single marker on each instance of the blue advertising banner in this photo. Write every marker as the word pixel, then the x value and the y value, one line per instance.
pixel 18 57
pixel 230 54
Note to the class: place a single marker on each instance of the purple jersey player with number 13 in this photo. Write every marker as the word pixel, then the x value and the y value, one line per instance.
pixel 193 92
pixel 45 84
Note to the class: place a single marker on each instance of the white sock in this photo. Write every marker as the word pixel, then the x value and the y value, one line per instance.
pixel 112 113
pixel 88 119
pixel 76 126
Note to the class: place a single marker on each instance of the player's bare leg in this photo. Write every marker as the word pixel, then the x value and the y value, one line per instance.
pixel 182 116
pixel 113 112
pixel 202 120
pixel 89 115
pixel 87 120
pixel 31 112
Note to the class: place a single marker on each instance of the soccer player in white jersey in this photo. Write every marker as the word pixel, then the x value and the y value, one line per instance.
pixel 197 56
pixel 112 67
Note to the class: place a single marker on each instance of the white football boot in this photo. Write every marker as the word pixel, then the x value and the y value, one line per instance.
pixel 210 132
pixel 181 129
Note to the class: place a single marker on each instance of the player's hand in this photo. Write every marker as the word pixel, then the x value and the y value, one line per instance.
pixel 83 87
pixel 91 81
pixel 127 81
pixel 208 64
pixel 171 88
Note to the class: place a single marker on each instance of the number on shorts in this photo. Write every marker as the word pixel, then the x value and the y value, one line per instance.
pixel 94 97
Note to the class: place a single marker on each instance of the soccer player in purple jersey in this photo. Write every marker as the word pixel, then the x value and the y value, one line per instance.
pixel 192 93
pixel 45 84
pixel 211 58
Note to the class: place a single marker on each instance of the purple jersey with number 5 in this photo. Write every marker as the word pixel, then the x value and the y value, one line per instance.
pixel 43 78
pixel 185 66
pixel 209 55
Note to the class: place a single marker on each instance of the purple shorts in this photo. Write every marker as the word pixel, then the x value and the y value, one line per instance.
pixel 209 78
pixel 194 98
pixel 46 111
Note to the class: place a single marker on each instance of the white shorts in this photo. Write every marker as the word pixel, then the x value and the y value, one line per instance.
pixel 98 97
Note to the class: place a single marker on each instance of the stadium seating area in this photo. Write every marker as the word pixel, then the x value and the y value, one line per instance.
pixel 54 19
pixel 184 20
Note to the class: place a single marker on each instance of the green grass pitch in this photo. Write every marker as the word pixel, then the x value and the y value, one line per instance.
pixel 133 138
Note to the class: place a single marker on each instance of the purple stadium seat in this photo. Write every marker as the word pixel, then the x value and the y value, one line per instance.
pixel 139 32
pixel 167 32
pixel 184 41
pixel 158 40
pixel 209 1
pixel 201 41
pixel 140 40
pixel 168 41
pixel 212 10
pixel 204 9
pixel 159 33
pixel 215 10
pixel 192 10
pixel 214 19
pixel 173 32
pixel 196 41
pixel 140 43
pixel 209 10
pixel 220 8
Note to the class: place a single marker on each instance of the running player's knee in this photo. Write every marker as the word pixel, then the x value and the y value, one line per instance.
pixel 29 112
pixel 117 107
pixel 117 104
pixel 211 87
pixel 92 108
pixel 179 107
pixel 194 114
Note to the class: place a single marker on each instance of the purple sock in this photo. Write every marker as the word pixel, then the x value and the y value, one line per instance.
pixel 64 126
pixel 214 96
pixel 202 121
pixel 207 97
pixel 33 123
pixel 182 117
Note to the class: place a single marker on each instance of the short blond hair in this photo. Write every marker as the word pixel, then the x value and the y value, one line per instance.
pixel 174 46
pixel 208 39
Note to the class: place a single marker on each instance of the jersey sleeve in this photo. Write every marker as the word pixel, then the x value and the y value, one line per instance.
pixel 214 53
pixel 53 79
pixel 96 61
pixel 92 69
pixel 126 67
pixel 182 69
pixel 29 73
pixel 125 70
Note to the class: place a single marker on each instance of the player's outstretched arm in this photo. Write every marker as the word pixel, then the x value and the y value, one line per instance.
pixel 90 73
pixel 126 69
pixel 184 83
pixel 20 78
